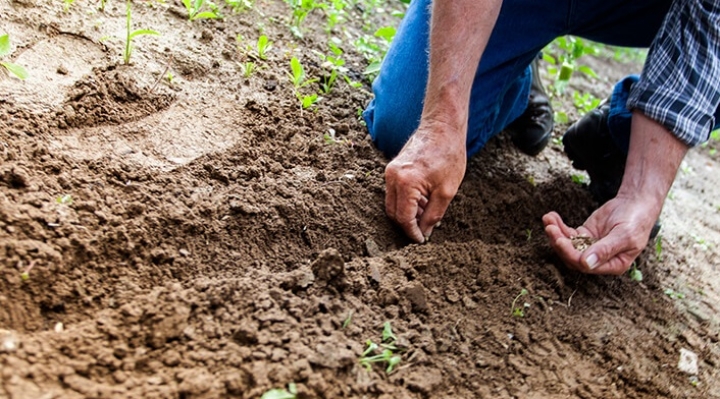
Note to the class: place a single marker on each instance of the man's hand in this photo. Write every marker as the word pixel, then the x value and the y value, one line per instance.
pixel 621 226
pixel 423 179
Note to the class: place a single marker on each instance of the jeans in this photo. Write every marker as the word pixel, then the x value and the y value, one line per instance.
pixel 502 81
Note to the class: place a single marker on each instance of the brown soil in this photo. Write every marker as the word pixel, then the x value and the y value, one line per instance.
pixel 201 239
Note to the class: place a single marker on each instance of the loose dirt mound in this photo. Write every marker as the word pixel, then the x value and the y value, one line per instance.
pixel 259 254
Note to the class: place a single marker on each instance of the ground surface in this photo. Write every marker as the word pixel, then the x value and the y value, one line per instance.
pixel 201 239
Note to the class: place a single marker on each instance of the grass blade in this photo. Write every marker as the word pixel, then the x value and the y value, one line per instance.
pixel 15 69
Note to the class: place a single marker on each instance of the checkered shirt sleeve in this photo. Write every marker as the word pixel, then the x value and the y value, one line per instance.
pixel 680 83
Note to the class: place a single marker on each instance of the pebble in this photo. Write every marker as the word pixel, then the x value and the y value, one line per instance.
pixel 688 362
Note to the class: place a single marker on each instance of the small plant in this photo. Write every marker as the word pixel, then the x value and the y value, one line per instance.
pixel 14 69
pixel 67 4
pixel 298 76
pixel 348 320
pixel 335 64
pixel 299 80
pixel 263 46
pixel 635 273
pixel 169 77
pixel 239 5
pixel 658 248
pixel 388 356
pixel 290 393
pixel 568 49
pixel 102 5
pixel 585 103
pixel 194 8
pixel 65 199
pixel 25 276
pixel 133 34
pixel 520 310
pixel 674 294
pixel 579 179
pixel 528 234
pixel 247 68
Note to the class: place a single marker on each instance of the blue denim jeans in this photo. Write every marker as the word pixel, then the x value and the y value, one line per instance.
pixel 502 81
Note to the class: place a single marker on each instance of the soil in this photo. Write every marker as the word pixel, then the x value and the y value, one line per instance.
pixel 201 238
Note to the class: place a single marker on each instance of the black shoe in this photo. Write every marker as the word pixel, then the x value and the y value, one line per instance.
pixel 532 130
pixel 590 148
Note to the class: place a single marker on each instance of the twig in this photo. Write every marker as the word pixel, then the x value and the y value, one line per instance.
pixel 570 299
pixel 167 66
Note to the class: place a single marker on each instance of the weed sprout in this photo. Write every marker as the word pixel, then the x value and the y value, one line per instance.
pixel 13 69
pixel 132 34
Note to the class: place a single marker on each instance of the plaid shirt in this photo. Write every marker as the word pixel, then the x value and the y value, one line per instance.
pixel 680 83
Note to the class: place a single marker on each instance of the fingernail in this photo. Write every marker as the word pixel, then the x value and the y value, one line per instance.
pixel 592 261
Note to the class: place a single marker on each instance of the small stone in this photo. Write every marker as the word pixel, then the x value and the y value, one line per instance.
pixel 8 341
pixel 372 248
pixel 688 362
pixel 184 252
pixel 415 293
pixel 62 70
pixel 59 327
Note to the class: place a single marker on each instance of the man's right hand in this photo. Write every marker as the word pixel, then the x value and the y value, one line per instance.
pixel 424 177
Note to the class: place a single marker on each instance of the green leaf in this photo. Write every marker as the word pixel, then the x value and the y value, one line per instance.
pixel 372 68
pixel 278 394
pixel 549 59
pixel 298 72
pixel 387 333
pixel 141 32
pixel 386 32
pixel 205 15
pixel 4 45
pixel 588 71
pixel 635 274
pixel 15 69
pixel 188 5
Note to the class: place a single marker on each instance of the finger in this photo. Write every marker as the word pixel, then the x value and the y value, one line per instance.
pixel 390 197
pixel 563 246
pixel 434 211
pixel 613 252
pixel 422 203
pixel 406 211
pixel 553 218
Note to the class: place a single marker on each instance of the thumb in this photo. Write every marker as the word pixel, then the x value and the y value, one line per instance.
pixel 607 255
pixel 434 212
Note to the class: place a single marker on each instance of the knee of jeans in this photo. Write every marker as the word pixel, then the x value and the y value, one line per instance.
pixel 388 128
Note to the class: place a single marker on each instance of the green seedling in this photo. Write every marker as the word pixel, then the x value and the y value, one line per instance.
pixel 585 103
pixel 520 310
pixel 563 66
pixel 239 6
pixel 169 77
pixel 308 101
pixel 14 69
pixel 247 68
pixel 25 276
pixel 387 334
pixel 290 393
pixel 388 354
pixel 301 9
pixel 298 76
pixel 263 46
pixel 131 34
pixel 66 199
pixel 658 248
pixel 635 273
pixel 348 319
pixel 579 179
pixel 67 4
pixel 194 8
pixel 674 294
pixel 528 234
pixel 102 5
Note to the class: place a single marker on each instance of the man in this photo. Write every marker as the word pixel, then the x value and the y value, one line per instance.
pixel 431 113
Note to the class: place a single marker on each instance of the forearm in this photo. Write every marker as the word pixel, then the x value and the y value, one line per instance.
pixel 459 32
pixel 653 160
